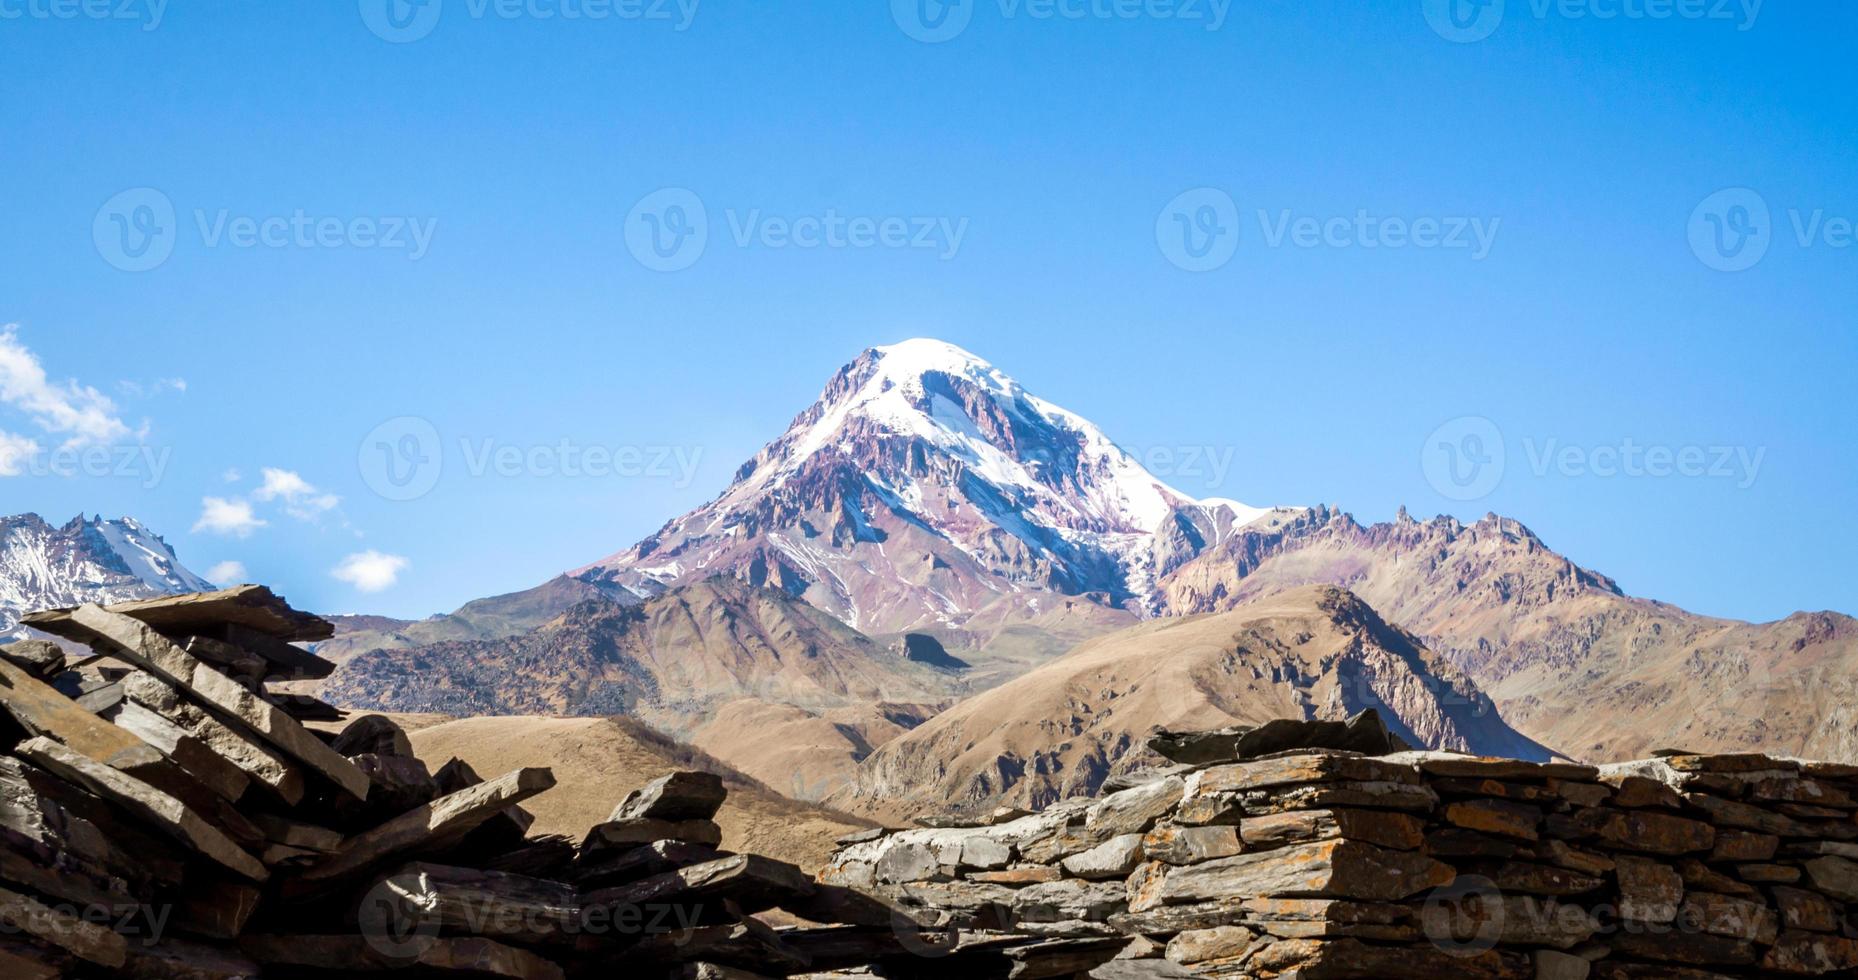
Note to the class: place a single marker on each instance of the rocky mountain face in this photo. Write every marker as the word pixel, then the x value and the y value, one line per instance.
pixel 86 560
pixel 1316 652
pixel 927 490
pixel 490 618
pixel 1569 658
pixel 928 494
pixel 675 661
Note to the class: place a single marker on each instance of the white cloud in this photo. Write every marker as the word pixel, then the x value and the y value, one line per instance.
pixel 370 571
pixel 84 415
pixel 14 451
pixel 301 499
pixel 154 389
pixel 227 573
pixel 282 483
pixel 222 516
pixel 232 475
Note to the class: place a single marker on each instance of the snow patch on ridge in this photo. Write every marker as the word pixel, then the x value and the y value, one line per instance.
pixel 1125 496
pixel 46 567
pixel 990 490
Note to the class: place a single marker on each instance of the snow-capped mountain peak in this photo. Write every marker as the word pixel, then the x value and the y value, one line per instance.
pixel 922 475
pixel 962 405
pixel 86 560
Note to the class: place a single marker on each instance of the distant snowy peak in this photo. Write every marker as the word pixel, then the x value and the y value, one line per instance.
pixel 86 560
pixel 925 486
pixel 955 402
pixel 148 557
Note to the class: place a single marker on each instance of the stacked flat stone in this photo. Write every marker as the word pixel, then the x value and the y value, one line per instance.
pixel 165 813
pixel 1327 864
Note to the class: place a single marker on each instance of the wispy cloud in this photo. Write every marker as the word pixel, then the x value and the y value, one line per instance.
pixel 14 451
pixel 228 573
pixel 300 498
pixel 221 516
pixel 156 388
pixel 370 571
pixel 82 415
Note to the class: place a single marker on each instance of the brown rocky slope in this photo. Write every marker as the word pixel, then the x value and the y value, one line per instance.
pixel 594 759
pixel 1569 658
pixel 675 662
pixel 1059 731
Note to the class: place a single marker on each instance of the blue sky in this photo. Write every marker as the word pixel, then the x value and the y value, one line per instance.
pixel 448 240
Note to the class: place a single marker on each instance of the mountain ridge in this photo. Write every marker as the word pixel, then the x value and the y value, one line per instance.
pixel 923 488
pixel 1314 652
pixel 1564 650
pixel 43 566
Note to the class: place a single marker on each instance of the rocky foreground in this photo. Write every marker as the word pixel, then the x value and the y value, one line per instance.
pixel 165 813
pixel 1326 863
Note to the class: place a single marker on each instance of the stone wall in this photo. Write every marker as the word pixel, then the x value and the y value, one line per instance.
pixel 1328 864
pixel 165 814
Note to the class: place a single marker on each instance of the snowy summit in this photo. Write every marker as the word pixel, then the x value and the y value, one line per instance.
pixel 923 474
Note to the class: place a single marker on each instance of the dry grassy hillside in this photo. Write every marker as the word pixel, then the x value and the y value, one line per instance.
pixel 1314 652
pixel 803 755
pixel 1569 658
pixel 598 760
